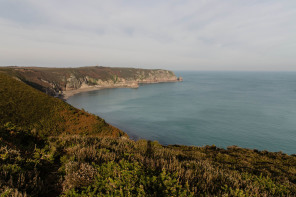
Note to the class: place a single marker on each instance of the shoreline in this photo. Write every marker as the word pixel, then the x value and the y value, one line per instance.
pixel 68 93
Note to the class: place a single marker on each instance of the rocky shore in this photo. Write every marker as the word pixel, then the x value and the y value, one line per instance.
pixel 86 88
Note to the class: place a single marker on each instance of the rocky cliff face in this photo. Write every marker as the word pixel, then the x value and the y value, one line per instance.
pixel 74 83
pixel 56 80
pixel 119 80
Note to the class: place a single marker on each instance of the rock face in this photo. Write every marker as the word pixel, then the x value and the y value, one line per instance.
pixel 56 80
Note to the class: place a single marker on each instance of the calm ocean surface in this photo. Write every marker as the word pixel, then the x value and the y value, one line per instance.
pixel 248 109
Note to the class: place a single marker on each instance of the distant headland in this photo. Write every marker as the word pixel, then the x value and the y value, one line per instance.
pixel 65 82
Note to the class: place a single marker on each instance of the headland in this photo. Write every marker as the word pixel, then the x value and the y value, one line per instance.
pixel 65 82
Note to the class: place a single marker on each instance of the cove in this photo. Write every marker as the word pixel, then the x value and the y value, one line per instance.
pixel 254 110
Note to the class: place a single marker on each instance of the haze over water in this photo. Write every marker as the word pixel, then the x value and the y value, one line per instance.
pixel 247 109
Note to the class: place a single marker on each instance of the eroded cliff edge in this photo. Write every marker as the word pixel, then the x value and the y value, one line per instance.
pixel 65 82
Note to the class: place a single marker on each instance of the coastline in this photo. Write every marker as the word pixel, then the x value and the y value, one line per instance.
pixel 66 94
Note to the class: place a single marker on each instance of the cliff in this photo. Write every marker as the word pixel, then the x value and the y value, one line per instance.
pixel 62 81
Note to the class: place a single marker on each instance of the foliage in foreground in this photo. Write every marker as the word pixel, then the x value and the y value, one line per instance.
pixel 99 166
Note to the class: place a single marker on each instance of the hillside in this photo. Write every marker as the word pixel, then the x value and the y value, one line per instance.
pixel 49 148
pixel 30 109
pixel 99 166
pixel 57 81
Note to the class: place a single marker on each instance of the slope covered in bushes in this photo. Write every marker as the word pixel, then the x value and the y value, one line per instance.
pixel 35 111
pixel 100 166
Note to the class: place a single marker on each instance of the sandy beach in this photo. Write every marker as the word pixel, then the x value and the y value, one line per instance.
pixel 85 88
pixel 68 93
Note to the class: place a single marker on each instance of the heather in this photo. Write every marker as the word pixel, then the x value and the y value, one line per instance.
pixel 79 165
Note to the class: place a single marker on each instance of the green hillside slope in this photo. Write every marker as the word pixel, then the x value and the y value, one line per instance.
pixel 98 166
pixel 30 109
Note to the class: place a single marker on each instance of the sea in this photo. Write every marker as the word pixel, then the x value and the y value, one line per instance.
pixel 255 110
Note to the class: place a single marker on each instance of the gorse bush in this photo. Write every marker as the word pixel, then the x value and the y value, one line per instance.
pixel 78 175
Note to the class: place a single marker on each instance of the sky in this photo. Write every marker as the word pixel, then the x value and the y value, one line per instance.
pixel 168 34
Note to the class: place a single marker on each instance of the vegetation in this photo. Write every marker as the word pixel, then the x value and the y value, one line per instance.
pixel 33 110
pixel 99 166
pixel 48 148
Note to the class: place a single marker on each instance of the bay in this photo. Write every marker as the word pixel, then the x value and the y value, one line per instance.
pixel 254 110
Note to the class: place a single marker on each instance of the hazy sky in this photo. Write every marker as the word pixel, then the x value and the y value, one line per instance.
pixel 171 34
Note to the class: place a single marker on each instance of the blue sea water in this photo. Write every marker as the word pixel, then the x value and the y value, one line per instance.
pixel 247 109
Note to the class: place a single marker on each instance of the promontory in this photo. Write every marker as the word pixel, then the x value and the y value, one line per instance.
pixel 64 82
